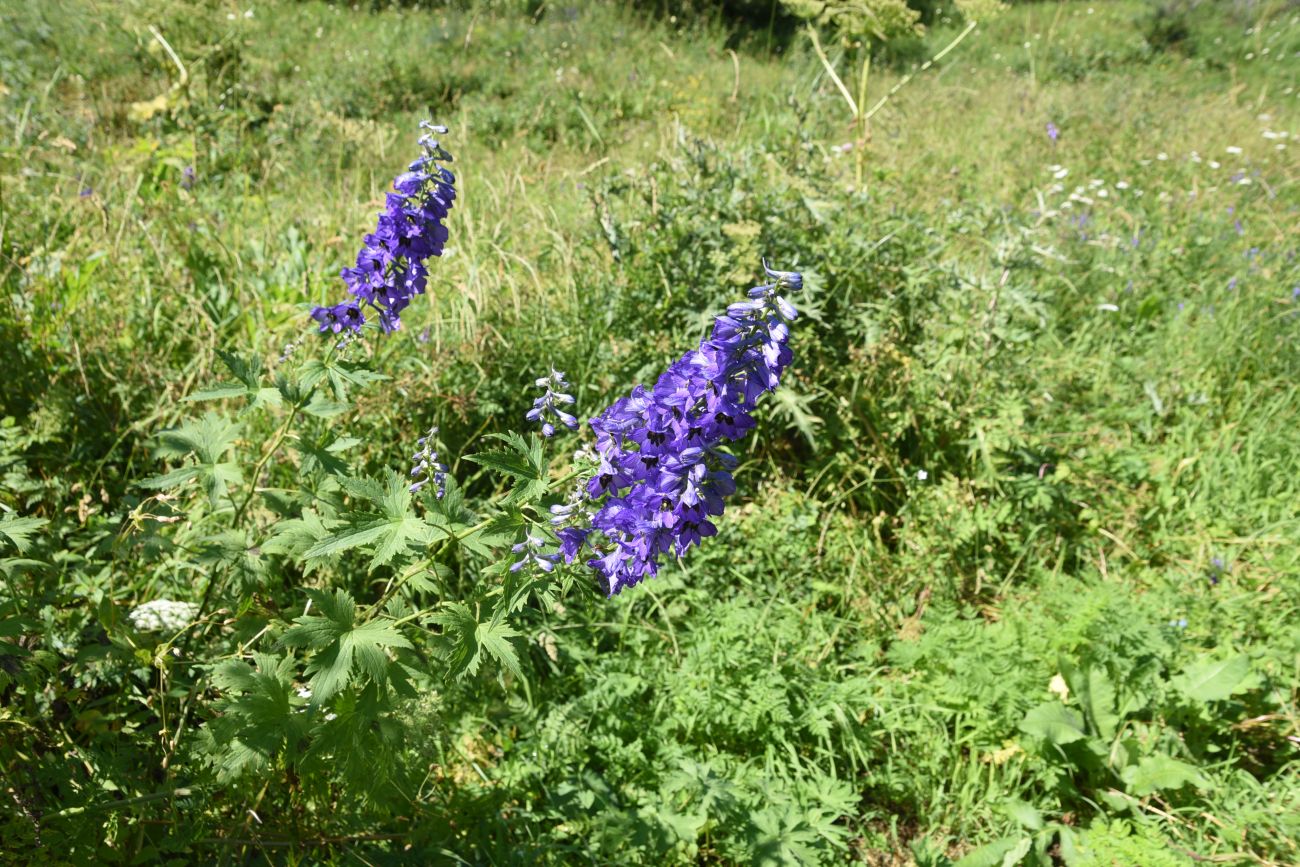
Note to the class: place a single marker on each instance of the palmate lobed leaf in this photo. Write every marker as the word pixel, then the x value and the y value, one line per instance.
pixel 523 461
pixel 339 642
pixel 248 384
pixel 469 640
pixel 389 533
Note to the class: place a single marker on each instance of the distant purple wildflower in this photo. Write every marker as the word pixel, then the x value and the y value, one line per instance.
pixel 661 475
pixel 390 268
pixel 1217 569
pixel 86 192
pixel 1052 132
pixel 187 178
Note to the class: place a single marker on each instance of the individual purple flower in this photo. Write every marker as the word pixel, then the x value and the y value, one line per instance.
pixel 425 466
pixel 1052 132
pixel 345 316
pixel 390 269
pixel 549 404
pixel 187 178
pixel 659 475
pixel 531 549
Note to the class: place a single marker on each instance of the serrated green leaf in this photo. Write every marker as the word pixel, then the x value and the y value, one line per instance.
pixel 353 537
pixel 19 531
pixel 494 637
pixel 208 439
pixel 220 391
pixel 509 463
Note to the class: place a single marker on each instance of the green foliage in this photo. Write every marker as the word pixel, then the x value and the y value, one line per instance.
pixel 1009 577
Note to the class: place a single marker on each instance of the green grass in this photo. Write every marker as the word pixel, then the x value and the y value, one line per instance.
pixel 1012 572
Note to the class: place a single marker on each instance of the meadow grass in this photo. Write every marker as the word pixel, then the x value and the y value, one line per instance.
pixel 1013 574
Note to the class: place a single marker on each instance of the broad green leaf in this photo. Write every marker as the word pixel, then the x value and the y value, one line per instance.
pixel 294 537
pixel 1024 814
pixel 1161 773
pixel 460 631
pixel 1095 694
pixel 1053 722
pixel 389 534
pixel 994 854
pixel 1214 680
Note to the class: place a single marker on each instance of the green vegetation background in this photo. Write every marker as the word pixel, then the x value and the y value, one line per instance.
pixel 1012 576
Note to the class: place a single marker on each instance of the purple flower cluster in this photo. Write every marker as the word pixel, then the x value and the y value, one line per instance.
pixel 661 476
pixel 390 268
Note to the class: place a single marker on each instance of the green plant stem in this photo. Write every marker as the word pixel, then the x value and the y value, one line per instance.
pixel 261 464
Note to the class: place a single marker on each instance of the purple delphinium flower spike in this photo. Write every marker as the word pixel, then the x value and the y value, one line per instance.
pixel 390 269
pixel 549 403
pixel 425 466
pixel 659 475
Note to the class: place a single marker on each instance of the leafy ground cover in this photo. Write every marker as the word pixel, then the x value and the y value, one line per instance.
pixel 1011 575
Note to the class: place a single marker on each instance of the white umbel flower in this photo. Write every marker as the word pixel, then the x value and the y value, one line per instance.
pixel 163 615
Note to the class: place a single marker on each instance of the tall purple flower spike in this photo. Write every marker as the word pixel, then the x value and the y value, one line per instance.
pixel 390 268
pixel 660 475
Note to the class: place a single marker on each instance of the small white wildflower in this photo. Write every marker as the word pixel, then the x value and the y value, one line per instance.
pixel 1162 156
pixel 163 615
pixel 331 716
pixel 922 475
pixel 1214 164
pixel 1060 173
pixel 304 692
pixel 1233 149
pixel 1121 185
pixel 1109 308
